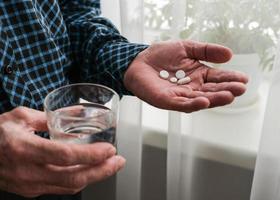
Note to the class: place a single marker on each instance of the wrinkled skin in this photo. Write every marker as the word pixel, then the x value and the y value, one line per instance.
pixel 209 87
pixel 31 166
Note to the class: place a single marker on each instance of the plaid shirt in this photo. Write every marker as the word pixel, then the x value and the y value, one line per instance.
pixel 45 44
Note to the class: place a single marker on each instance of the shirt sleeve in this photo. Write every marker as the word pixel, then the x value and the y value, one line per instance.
pixel 100 52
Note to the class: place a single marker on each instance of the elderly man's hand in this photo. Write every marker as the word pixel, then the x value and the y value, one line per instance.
pixel 32 166
pixel 209 87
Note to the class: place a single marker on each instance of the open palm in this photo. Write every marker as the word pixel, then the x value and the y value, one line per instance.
pixel 209 87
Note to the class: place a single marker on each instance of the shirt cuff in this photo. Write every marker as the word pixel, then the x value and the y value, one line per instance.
pixel 112 62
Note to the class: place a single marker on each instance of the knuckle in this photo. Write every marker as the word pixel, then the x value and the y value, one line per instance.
pixel 20 111
pixel 22 115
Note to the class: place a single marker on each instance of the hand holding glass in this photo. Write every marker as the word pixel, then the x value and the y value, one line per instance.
pixel 82 113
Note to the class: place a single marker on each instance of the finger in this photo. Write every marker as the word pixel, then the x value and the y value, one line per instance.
pixel 106 169
pixel 32 148
pixel 207 52
pixel 32 190
pixel 219 98
pixel 33 118
pixel 29 181
pixel 79 177
pixel 220 75
pixel 236 88
pixel 187 105
pixel 216 99
pixel 44 151
pixel 39 190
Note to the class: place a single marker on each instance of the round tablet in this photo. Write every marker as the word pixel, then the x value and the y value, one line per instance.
pixel 180 74
pixel 173 80
pixel 164 74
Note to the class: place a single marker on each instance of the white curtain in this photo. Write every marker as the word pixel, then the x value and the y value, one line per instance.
pixel 210 154
pixel 130 23
pixel 266 183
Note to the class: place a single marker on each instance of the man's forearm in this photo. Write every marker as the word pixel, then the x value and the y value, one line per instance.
pixel 100 51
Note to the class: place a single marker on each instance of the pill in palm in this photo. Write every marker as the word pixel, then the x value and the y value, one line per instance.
pixel 173 80
pixel 164 74
pixel 184 81
pixel 180 74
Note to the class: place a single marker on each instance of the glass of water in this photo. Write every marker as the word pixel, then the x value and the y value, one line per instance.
pixel 82 113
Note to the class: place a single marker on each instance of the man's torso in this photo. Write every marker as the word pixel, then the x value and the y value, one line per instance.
pixel 34 52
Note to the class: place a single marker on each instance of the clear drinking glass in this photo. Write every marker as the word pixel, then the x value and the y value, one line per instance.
pixel 82 113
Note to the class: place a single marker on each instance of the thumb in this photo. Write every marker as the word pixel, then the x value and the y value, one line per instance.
pixel 207 52
pixel 35 119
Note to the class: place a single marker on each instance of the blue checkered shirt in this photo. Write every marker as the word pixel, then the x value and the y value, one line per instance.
pixel 45 44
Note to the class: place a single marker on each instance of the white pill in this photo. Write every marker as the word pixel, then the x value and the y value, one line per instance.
pixel 164 74
pixel 180 74
pixel 173 80
pixel 184 81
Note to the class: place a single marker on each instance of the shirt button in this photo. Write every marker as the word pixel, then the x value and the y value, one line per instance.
pixel 8 69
